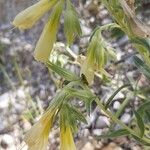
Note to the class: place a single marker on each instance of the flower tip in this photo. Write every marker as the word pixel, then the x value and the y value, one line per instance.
pixel 40 58
pixel 19 25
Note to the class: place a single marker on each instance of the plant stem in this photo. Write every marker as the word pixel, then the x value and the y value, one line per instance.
pixel 116 120
pixel 113 117
pixel 18 72
pixel 7 77
pixel 114 94
pixel 120 110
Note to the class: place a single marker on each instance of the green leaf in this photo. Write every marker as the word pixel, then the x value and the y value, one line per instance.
pixel 141 140
pixel 140 123
pixel 69 76
pixel 71 23
pixel 77 115
pixel 84 95
pixel 117 33
pixel 144 111
pixel 147 114
pixel 143 107
pixel 114 94
pixel 143 43
pixel 142 66
pixel 115 134
pixel 69 115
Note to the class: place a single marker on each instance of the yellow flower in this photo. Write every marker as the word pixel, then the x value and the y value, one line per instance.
pixel 67 141
pixel 71 23
pixel 48 37
pixel 37 137
pixel 94 59
pixel 27 18
pixel 97 56
pixel 88 70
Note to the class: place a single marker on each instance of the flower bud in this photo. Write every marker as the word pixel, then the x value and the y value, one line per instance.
pixel 47 39
pixel 27 18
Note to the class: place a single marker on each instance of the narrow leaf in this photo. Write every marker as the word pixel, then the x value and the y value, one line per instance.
pixel 140 41
pixel 142 66
pixel 115 134
pixel 114 94
pixel 69 76
pixel 143 141
pixel 140 123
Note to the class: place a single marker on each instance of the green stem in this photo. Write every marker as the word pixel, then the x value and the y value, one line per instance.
pixel 114 94
pixel 123 105
pixel 7 77
pixel 113 117
pixel 116 120
pixel 18 72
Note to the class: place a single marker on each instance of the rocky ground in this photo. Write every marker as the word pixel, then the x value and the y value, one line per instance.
pixel 26 86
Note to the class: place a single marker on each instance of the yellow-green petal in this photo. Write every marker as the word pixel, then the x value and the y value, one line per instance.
pixel 37 137
pixel 88 70
pixel 27 18
pixel 67 141
pixel 48 37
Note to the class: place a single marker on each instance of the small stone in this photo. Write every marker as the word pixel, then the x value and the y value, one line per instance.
pixel 7 141
pixel 97 132
pixel 136 147
pixel 116 105
pixel 98 145
pixel 88 146
pixel 120 95
pixel 86 30
pixel 102 14
pixel 75 48
pixel 126 118
pixel 5 41
pixel 102 122
pixel 86 132
pixel 91 119
pixel 21 93
pixel 106 21
pixel 26 125
pixel 19 108
pixel 28 47
pixel 5 100
pixel 112 146
pixel 92 19
pixel 42 94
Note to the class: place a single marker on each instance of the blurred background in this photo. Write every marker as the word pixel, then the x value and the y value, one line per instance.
pixel 27 87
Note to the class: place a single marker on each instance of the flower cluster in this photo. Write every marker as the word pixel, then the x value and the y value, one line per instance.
pixel 37 137
pixel 27 18
pixel 97 54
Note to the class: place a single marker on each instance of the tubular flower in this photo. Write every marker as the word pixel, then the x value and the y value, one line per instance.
pixel 27 18
pixel 67 141
pixel 37 137
pixel 97 56
pixel 95 59
pixel 67 126
pixel 48 37
pixel 88 70
pixel 71 23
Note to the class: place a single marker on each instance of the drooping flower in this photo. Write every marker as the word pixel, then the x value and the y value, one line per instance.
pixel 71 23
pixel 37 137
pixel 87 70
pixel 138 28
pixel 48 37
pixel 27 18
pixel 97 55
pixel 67 126
pixel 67 141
